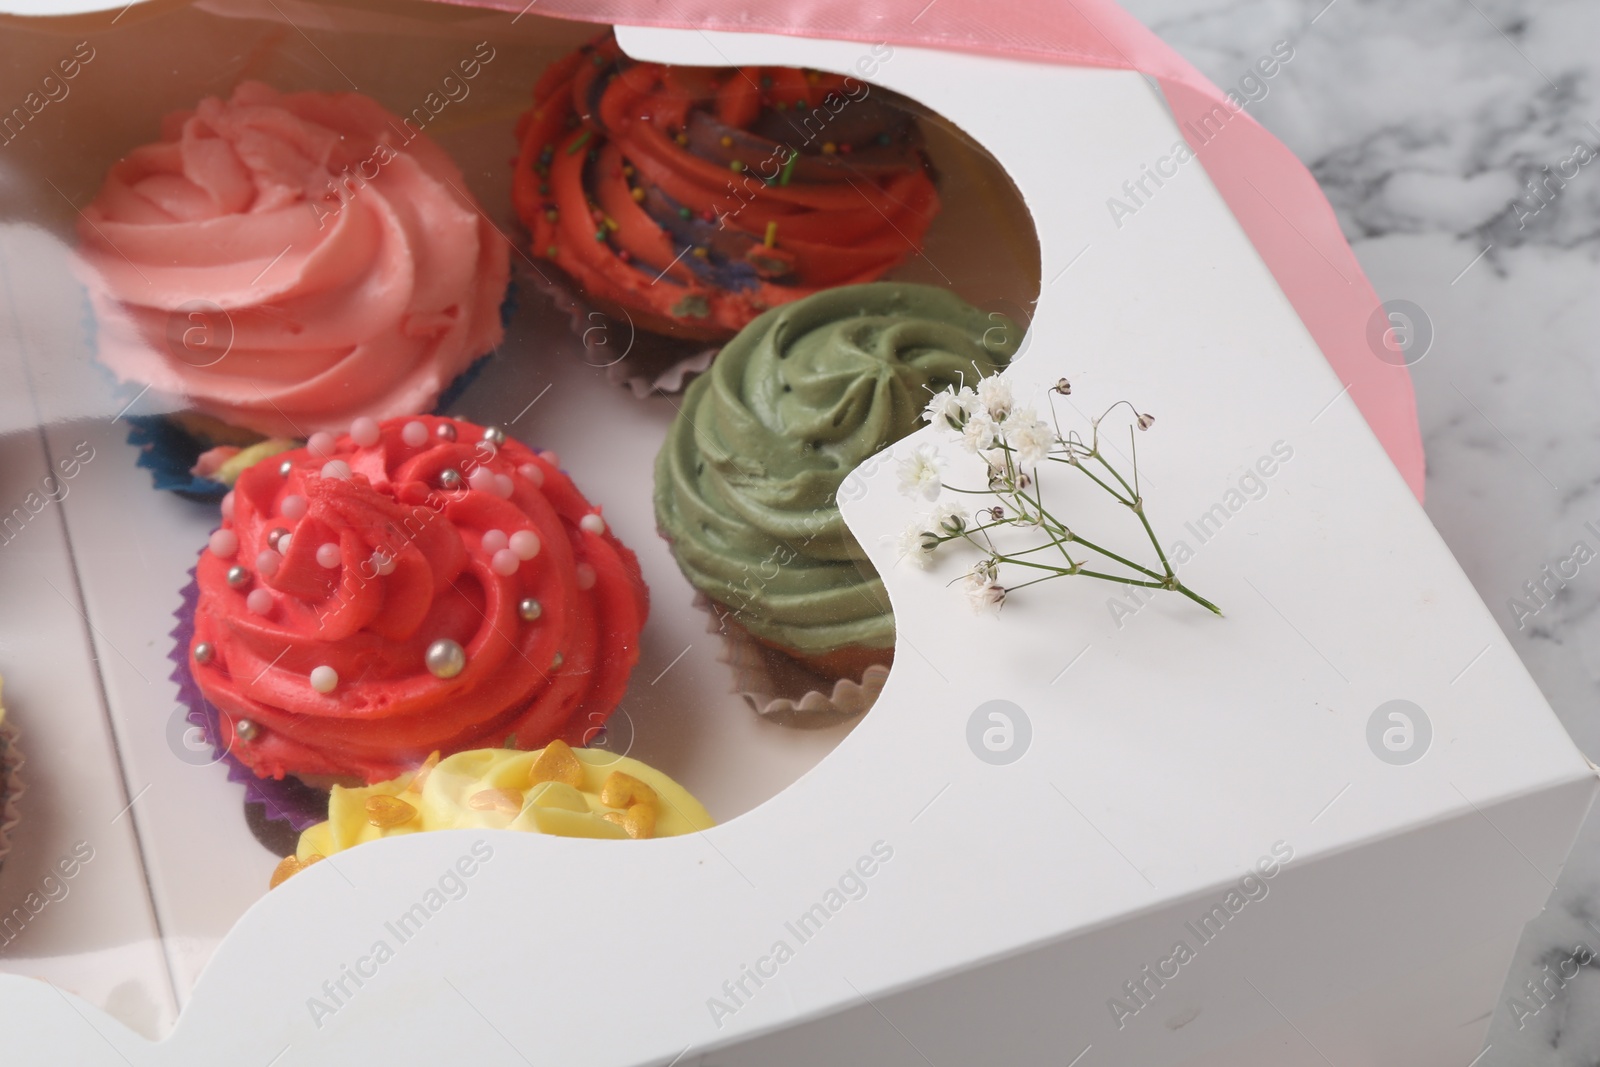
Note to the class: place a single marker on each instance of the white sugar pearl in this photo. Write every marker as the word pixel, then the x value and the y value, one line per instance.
pixel 224 543
pixel 336 468
pixel 386 563
pixel 592 523
pixel 267 563
pixel 321 444
pixel 414 434
pixel 503 486
pixel 324 679
pixel 533 472
pixel 283 545
pixel 505 563
pixel 364 432
pixel 227 505
pixel 586 576
pixel 259 602
pixel 294 507
pixel 482 480
pixel 328 555
pixel 550 458
pixel 494 541
pixel 525 543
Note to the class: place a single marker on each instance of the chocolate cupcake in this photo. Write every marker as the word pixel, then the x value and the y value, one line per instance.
pixel 747 482
pixel 688 200
pixel 414 585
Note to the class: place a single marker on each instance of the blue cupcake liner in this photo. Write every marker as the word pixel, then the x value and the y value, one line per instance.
pixel 169 451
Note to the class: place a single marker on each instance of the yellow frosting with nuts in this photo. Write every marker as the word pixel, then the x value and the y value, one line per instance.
pixel 555 790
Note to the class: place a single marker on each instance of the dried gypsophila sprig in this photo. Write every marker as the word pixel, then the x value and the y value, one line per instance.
pixel 1016 442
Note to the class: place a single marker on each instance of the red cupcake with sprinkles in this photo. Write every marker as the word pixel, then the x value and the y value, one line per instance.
pixel 413 586
pixel 688 200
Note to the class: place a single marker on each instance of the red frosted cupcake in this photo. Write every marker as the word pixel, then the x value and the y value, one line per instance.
pixel 694 198
pixel 414 585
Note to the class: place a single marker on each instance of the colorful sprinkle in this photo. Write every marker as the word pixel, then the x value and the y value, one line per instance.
pixel 788 168
pixel 771 238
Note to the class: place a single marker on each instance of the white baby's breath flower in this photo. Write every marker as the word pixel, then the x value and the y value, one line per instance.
pixel 919 473
pixel 985 594
pixel 995 396
pixel 945 411
pixel 979 432
pixel 1030 435
pixel 916 544
pixel 949 520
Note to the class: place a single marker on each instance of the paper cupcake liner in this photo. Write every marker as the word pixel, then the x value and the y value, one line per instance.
pixel 10 786
pixel 779 687
pixel 169 451
pixel 644 362
pixel 283 800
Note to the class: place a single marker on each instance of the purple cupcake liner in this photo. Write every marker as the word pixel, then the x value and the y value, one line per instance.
pixel 283 799
pixel 11 761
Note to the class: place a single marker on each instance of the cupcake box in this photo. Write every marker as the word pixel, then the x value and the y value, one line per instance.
pixel 1093 829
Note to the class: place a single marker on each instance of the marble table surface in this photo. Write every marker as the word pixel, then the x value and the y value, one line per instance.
pixel 1459 143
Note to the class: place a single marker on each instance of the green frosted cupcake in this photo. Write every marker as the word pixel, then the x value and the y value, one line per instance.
pixel 747 482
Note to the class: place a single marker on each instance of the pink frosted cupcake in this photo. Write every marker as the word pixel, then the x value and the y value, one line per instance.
pixel 285 262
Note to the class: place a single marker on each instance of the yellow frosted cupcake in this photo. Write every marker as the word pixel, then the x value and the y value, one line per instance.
pixel 555 790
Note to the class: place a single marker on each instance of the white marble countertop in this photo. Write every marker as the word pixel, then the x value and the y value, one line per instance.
pixel 1428 124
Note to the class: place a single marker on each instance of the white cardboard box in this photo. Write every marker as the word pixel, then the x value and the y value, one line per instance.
pixel 1009 906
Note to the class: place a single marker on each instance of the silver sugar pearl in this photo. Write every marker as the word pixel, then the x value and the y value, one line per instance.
pixel 278 533
pixel 285 468
pixel 494 435
pixel 238 577
pixel 450 478
pixel 203 653
pixel 558 661
pixel 445 658
pixel 245 730
pixel 445 432
pixel 529 609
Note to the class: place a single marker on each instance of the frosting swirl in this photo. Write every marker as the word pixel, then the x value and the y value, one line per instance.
pixel 557 790
pixel 407 587
pixel 697 197
pixel 746 482
pixel 286 262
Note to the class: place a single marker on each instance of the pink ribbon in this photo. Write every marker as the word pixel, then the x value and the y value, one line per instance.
pixel 1272 194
